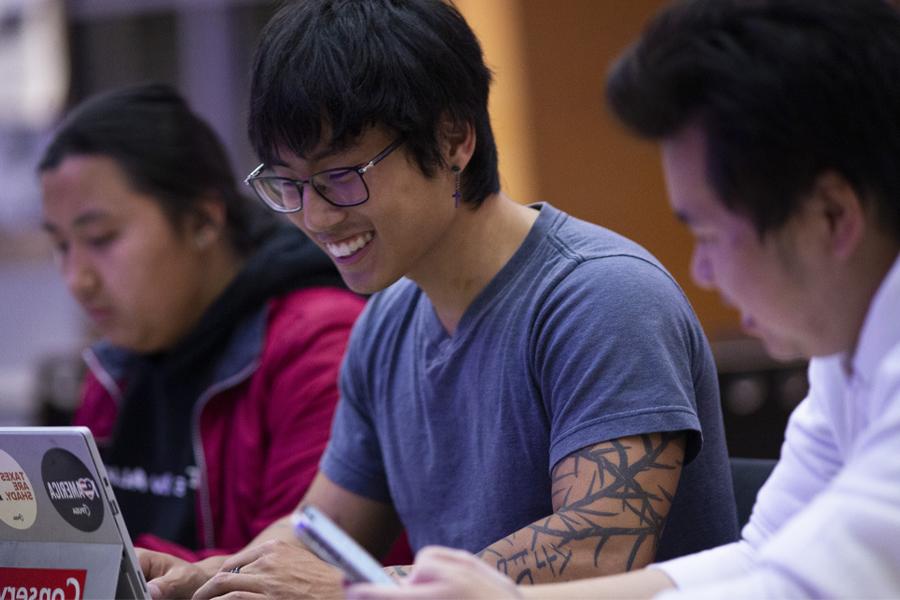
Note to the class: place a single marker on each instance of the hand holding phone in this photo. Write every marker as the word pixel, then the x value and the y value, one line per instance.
pixel 330 543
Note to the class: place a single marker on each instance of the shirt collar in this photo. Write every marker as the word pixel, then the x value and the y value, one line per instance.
pixel 881 329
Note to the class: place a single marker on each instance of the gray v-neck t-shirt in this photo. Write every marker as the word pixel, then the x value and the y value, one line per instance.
pixel 582 337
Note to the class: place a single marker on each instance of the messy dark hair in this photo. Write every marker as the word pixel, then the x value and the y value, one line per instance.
pixel 338 67
pixel 783 90
pixel 165 150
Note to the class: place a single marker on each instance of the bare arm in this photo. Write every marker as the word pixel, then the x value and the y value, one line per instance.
pixel 610 504
pixel 275 563
pixel 372 524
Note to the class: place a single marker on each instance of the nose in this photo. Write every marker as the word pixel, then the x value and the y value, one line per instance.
pixel 79 275
pixel 318 215
pixel 701 268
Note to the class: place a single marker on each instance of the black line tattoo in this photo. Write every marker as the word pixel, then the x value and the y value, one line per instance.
pixel 614 506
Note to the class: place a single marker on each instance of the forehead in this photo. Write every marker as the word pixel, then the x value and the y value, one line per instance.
pixel 684 166
pixel 352 150
pixel 83 179
pixel 283 156
pixel 83 186
pixel 86 170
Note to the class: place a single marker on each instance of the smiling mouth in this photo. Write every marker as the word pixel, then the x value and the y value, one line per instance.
pixel 349 247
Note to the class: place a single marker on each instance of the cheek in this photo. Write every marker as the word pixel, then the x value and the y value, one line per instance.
pixel 736 278
pixel 734 259
pixel 161 303
pixel 146 276
pixel 138 294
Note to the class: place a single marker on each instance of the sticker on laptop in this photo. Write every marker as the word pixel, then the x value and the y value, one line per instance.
pixel 52 584
pixel 72 489
pixel 18 506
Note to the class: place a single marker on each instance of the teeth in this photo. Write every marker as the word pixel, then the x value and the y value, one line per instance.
pixel 349 247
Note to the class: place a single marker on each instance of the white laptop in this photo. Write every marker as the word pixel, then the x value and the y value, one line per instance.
pixel 61 532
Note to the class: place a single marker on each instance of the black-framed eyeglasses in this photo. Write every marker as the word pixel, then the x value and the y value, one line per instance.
pixel 342 186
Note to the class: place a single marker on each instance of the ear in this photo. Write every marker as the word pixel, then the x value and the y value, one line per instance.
pixel 457 139
pixel 840 209
pixel 208 221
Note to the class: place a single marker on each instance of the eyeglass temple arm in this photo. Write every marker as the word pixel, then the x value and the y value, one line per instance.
pixel 254 173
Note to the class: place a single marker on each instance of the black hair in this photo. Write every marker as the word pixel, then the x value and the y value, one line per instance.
pixel 164 149
pixel 783 90
pixel 338 67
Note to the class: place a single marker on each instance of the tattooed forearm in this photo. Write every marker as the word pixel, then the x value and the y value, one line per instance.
pixel 610 501
pixel 520 564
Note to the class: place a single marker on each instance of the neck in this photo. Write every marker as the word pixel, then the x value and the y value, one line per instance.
pixel 221 265
pixel 477 245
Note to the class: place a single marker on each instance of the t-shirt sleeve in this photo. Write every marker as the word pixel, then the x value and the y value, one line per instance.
pixel 353 458
pixel 616 348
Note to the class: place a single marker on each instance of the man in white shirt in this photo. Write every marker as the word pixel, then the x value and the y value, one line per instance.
pixel 779 123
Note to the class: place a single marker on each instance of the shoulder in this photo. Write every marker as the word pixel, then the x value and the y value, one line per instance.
pixel 631 287
pixel 315 306
pixel 610 292
pixel 599 260
pixel 309 317
pixel 582 239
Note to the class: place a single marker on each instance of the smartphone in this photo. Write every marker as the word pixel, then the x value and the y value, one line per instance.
pixel 331 544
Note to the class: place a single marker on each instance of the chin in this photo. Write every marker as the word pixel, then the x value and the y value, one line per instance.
pixel 359 286
pixel 783 351
pixel 365 283
pixel 138 346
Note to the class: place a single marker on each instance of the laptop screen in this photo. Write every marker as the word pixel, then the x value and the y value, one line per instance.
pixel 61 532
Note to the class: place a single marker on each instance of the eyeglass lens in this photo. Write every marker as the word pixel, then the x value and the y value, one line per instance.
pixel 339 186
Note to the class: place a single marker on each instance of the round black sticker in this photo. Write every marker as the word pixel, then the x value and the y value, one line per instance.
pixel 72 490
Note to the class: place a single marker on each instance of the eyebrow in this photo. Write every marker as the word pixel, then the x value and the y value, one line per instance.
pixel 82 220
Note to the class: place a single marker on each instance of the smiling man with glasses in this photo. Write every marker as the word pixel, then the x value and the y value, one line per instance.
pixel 522 384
